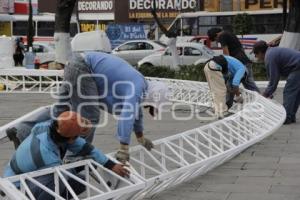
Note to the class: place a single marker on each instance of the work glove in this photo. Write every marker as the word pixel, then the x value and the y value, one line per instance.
pixel 239 99
pixel 122 154
pixel 234 90
pixel 145 142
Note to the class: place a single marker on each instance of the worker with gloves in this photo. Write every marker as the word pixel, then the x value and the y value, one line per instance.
pixel 47 144
pixel 281 62
pixel 117 88
pixel 94 81
pixel 222 71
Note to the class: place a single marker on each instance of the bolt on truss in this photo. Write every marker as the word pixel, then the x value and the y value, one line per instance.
pixel 174 160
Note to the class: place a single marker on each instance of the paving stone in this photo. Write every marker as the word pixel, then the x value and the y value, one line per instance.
pixel 268 170
pixel 236 188
pixel 252 196
pixel 285 189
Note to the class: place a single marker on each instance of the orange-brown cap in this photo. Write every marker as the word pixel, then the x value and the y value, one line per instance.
pixel 71 124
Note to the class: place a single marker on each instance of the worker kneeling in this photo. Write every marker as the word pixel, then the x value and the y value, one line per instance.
pixel 224 75
pixel 46 146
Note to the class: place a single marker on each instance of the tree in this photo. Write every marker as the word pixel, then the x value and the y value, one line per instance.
pixel 30 28
pixel 242 24
pixel 291 35
pixel 63 15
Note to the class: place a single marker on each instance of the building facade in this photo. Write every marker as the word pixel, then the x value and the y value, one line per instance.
pixel 241 5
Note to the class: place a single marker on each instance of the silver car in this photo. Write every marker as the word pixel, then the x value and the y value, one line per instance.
pixel 189 54
pixel 135 50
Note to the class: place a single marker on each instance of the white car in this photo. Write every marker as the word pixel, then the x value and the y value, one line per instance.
pixel 44 52
pixel 189 53
pixel 135 50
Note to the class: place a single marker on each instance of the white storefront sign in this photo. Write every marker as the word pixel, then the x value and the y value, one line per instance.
pixel 95 6
pixel 162 4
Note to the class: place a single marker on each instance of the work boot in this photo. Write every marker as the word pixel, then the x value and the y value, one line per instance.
pixel 12 135
pixel 289 121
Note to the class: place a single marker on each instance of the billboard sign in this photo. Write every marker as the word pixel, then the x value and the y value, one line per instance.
pixel 119 34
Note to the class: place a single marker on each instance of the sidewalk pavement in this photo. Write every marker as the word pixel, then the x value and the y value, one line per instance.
pixel 269 170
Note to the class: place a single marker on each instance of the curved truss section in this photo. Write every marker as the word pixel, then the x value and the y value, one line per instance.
pixel 175 159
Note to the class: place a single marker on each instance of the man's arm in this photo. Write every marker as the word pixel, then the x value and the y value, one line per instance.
pixel 138 129
pixel 225 50
pixel 222 39
pixel 273 76
pixel 238 75
pixel 81 148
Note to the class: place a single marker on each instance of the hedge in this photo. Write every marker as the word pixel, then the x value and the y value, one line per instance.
pixel 192 72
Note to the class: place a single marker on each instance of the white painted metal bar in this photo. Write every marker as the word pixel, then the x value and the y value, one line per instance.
pixel 177 158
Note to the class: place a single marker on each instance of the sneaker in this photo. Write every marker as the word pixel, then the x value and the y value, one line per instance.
pixel 12 135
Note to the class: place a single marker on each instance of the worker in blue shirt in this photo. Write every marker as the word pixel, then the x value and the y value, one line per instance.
pixel 281 62
pixel 107 81
pixel 96 80
pixel 222 71
pixel 45 147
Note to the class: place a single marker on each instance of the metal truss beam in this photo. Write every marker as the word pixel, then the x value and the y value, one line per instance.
pixel 175 159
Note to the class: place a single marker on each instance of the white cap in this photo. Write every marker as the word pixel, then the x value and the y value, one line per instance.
pixel 157 93
pixel 215 66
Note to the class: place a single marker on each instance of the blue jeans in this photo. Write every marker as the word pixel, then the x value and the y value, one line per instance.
pixel 69 98
pixel 48 181
pixel 74 93
pixel 24 127
pixel 291 95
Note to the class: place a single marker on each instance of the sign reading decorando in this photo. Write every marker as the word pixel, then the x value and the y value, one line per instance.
pixel 164 8
pixel 96 6
pixel 119 34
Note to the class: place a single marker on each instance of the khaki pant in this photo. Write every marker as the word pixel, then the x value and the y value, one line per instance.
pixel 217 87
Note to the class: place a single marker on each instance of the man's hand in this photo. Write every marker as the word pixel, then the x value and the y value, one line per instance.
pixel 122 154
pixel 267 96
pixel 121 170
pixel 145 142
pixel 234 90
pixel 239 99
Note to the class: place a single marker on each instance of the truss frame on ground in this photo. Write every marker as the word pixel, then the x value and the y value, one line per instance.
pixel 178 158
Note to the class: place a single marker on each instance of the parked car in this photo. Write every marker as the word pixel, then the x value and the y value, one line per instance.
pixel 189 53
pixel 135 50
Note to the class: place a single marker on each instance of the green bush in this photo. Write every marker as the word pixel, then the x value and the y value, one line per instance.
pixel 192 72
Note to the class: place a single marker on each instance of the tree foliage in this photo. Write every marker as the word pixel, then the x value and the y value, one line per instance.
pixel 242 24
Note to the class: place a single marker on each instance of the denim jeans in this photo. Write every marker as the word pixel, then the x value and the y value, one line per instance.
pixel 71 95
pixel 79 89
pixel 48 181
pixel 24 127
pixel 291 95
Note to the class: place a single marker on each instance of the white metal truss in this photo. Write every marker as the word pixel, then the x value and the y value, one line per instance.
pixel 175 159
pixel 30 81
